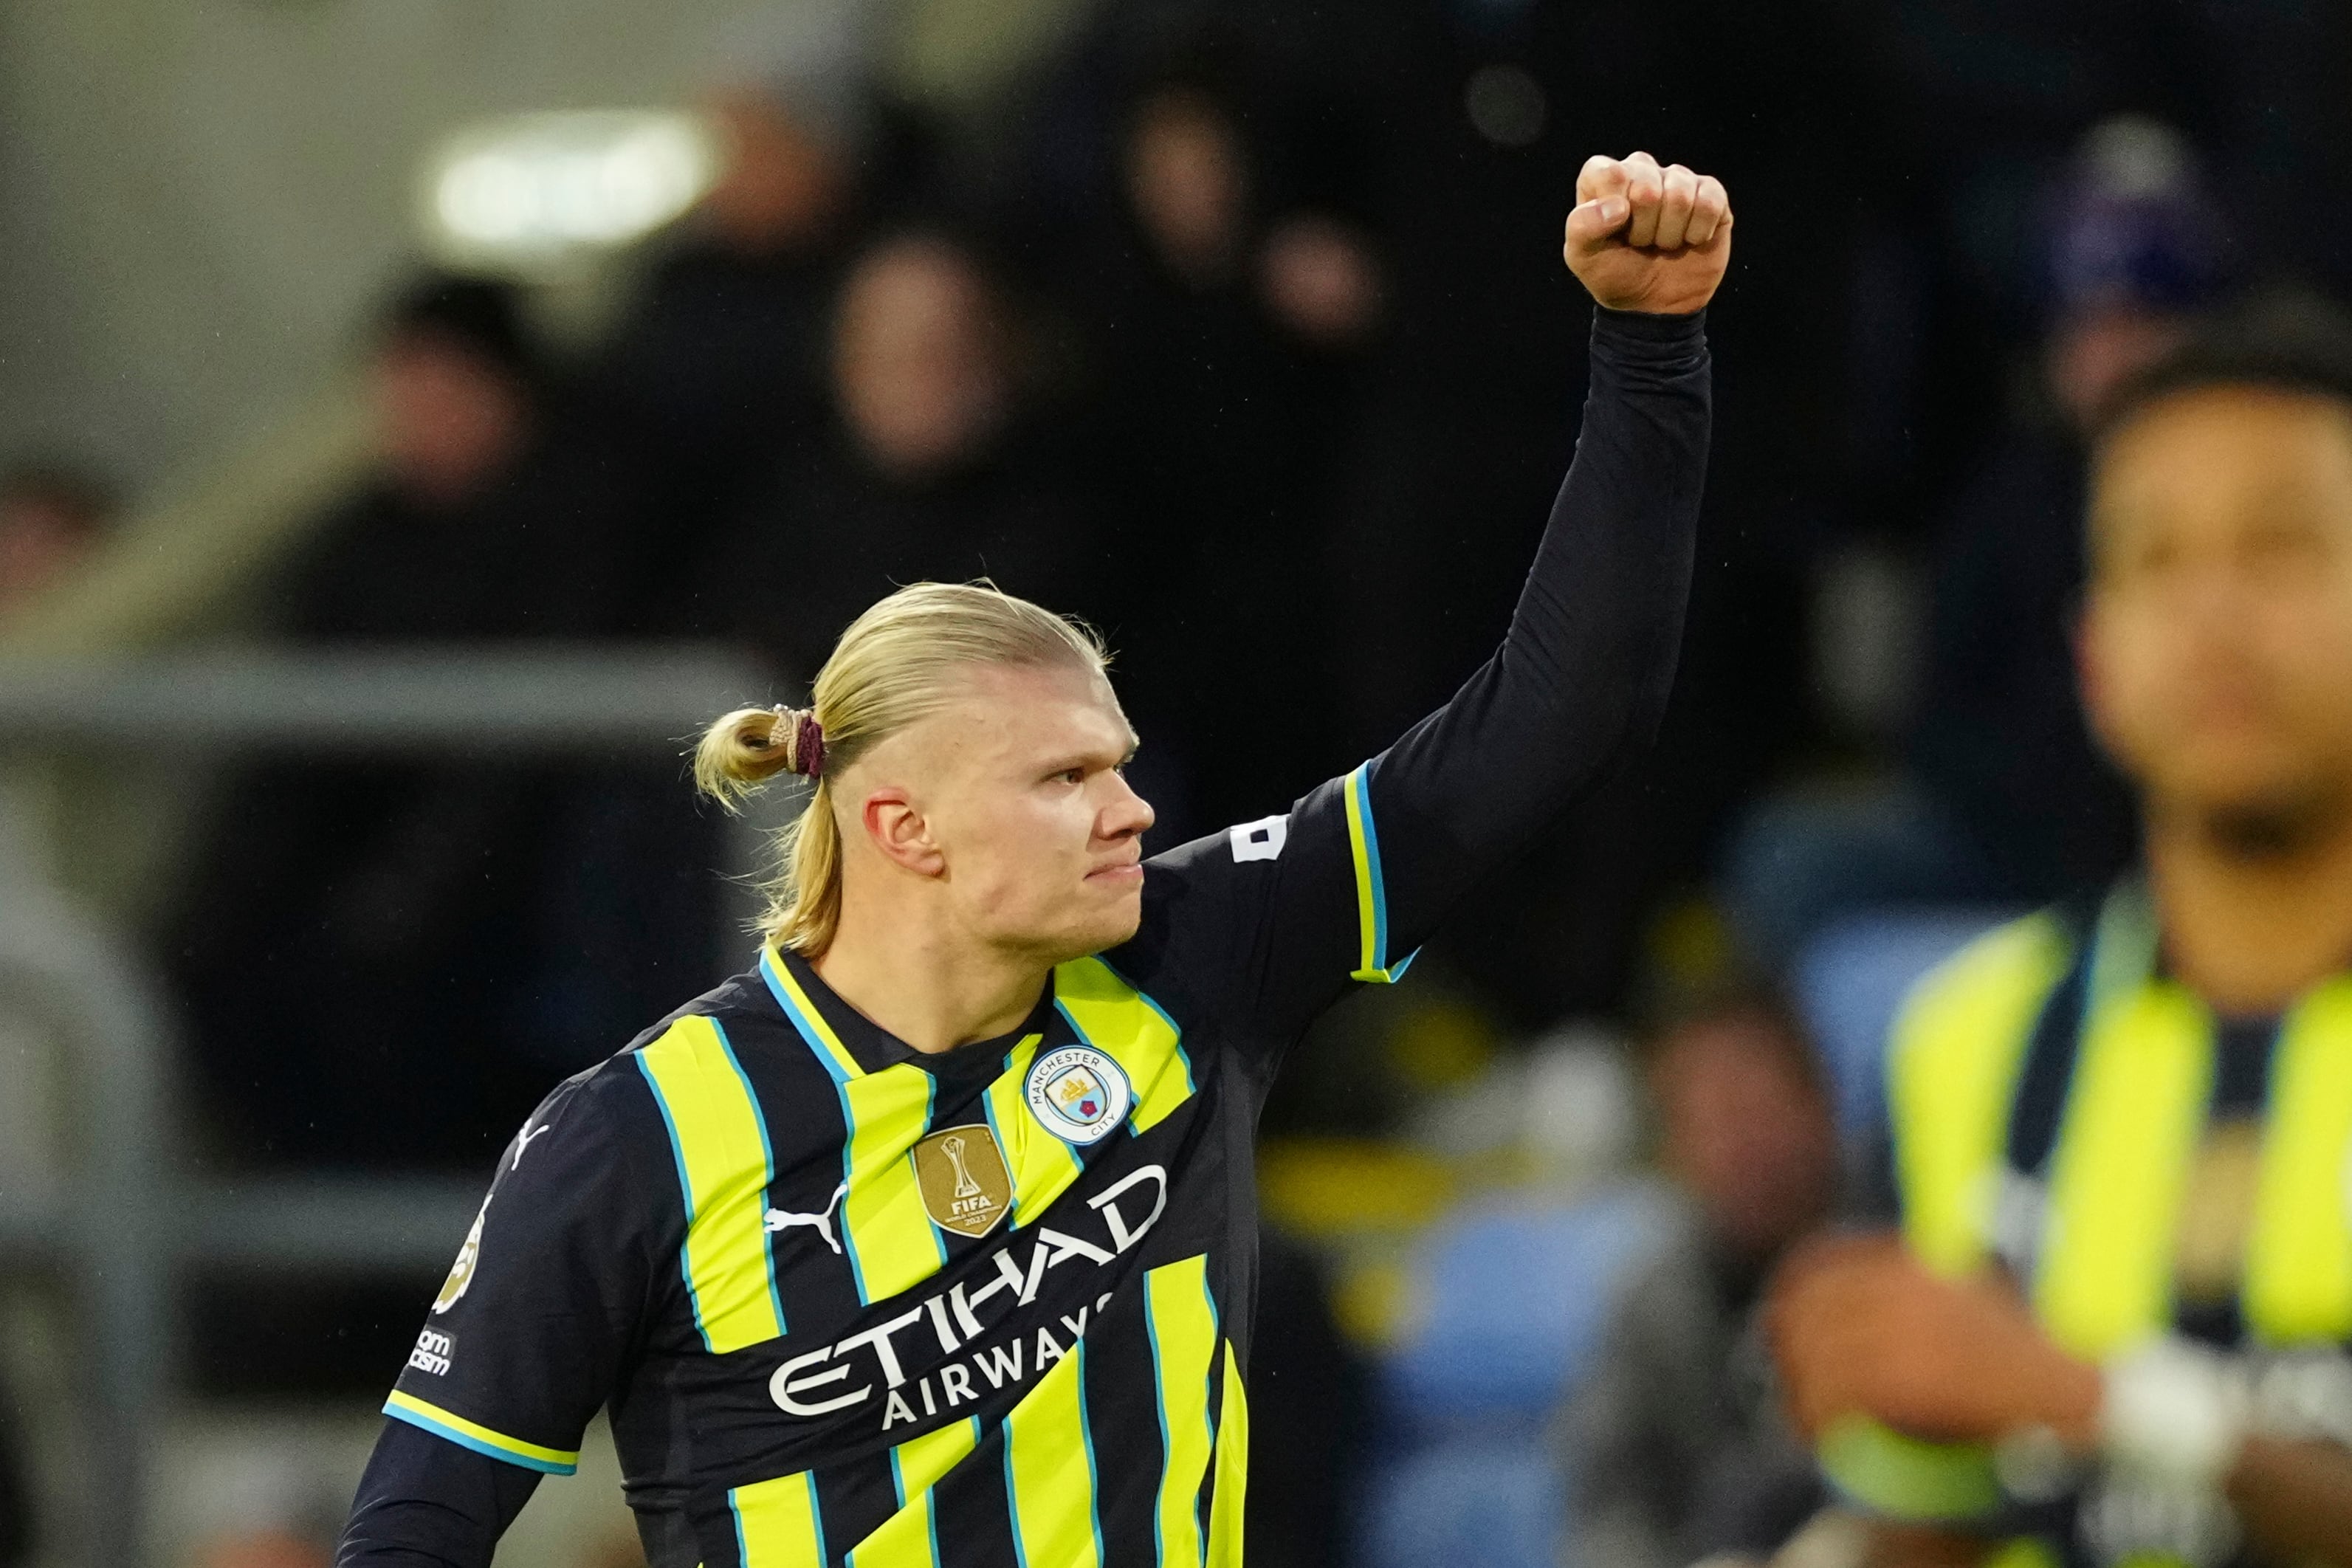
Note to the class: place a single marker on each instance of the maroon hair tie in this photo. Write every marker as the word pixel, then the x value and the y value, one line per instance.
pixel 808 746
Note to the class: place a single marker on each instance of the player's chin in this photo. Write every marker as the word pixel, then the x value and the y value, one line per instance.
pixel 1111 911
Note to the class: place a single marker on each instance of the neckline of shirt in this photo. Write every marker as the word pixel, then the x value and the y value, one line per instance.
pixel 874 1048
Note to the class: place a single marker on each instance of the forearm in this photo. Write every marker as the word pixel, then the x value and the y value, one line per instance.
pixel 1583 674
pixel 425 1502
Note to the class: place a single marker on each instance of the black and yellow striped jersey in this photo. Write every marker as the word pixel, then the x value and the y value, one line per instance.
pixel 850 1304
pixel 853 1302
pixel 2141 1164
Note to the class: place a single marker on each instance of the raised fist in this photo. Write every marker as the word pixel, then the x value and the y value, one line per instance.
pixel 1646 238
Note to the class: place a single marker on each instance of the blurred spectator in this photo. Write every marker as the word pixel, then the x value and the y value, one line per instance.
pixel 2005 800
pixel 345 922
pixel 51 517
pixel 478 522
pixel 931 464
pixel 1223 382
pixel 1674 1445
pixel 722 354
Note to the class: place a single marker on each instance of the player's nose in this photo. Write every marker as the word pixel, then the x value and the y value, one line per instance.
pixel 1126 814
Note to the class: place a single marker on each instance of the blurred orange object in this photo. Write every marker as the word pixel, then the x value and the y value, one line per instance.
pixel 267 1549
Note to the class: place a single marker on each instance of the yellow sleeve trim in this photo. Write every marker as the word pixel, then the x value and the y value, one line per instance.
pixel 481 1438
pixel 1372 888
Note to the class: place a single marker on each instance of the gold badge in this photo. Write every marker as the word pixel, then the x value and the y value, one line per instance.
pixel 461 1273
pixel 966 1186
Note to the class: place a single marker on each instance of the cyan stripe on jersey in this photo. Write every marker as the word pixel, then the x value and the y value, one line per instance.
pixel 430 1417
pixel 886 1233
pixel 1372 886
pixel 1043 1165
pixel 720 1138
pixel 910 1536
pixel 1114 1018
pixel 767 1158
pixel 1049 1471
pixel 1180 1318
pixel 806 1018
pixel 778 1525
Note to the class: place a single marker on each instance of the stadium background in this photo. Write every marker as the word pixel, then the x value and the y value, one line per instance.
pixel 351 613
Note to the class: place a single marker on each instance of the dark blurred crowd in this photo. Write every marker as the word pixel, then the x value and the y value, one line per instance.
pixel 1241 331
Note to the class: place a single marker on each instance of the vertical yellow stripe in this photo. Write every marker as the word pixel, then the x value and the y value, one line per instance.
pixel 1049 1471
pixel 1229 1505
pixel 1121 1022
pixel 2132 1119
pixel 1183 1329
pixel 776 1524
pixel 1952 1072
pixel 2298 1284
pixel 909 1537
pixel 807 1019
pixel 891 1243
pixel 1043 1165
pixel 1367 897
pixel 891 1239
pixel 721 1146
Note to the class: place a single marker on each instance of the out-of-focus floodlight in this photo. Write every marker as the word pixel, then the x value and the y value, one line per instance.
pixel 537 193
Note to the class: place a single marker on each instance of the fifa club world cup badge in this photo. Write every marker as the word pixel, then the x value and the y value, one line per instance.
pixel 965 1183
pixel 1080 1094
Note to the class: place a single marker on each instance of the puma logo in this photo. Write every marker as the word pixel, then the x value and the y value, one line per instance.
pixel 779 1219
pixel 522 1142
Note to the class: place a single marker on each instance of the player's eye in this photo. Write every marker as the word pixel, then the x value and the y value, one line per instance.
pixel 1071 776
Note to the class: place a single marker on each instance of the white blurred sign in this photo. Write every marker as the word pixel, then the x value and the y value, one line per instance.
pixel 528 193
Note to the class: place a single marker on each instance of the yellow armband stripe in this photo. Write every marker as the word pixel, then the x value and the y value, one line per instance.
pixel 1371 888
pixel 481 1438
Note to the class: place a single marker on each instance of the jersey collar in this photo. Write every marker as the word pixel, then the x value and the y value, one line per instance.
pixel 850 1045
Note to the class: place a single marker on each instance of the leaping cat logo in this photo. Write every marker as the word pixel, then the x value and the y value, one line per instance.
pixel 779 1219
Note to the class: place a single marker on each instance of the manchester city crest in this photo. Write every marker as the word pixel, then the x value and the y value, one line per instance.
pixel 1080 1094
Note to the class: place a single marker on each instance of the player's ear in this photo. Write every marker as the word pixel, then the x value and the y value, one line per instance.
pixel 901 832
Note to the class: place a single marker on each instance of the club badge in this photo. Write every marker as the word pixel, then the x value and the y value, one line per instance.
pixel 966 1186
pixel 1080 1094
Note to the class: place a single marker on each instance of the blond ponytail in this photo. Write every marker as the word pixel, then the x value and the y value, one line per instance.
pixel 894 665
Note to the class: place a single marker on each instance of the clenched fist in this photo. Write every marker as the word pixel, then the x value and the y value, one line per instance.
pixel 1646 238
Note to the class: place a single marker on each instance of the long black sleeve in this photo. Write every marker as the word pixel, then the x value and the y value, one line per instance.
pixel 1582 678
pixel 1265 926
pixel 425 1502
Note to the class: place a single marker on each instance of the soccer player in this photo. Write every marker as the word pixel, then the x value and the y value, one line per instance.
pixel 2115 1326
pixel 931 1239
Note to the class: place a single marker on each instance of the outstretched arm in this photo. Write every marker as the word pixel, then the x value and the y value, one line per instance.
pixel 1281 913
pixel 1583 674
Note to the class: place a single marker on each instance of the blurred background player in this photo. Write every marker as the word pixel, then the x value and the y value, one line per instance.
pixel 2004 798
pixel 2116 1327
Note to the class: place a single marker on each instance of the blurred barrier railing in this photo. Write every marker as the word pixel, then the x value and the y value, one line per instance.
pixel 131 1217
